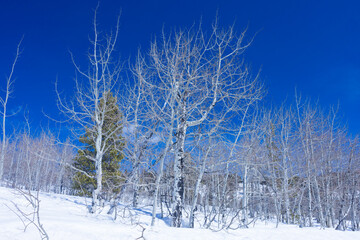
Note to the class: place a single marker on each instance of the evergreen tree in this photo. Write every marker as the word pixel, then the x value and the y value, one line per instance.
pixel 112 176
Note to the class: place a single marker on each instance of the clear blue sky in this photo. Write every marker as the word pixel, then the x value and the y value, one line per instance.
pixel 311 45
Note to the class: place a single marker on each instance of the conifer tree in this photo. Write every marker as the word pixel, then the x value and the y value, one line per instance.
pixel 84 184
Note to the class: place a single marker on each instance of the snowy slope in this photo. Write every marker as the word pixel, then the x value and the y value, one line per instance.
pixel 66 217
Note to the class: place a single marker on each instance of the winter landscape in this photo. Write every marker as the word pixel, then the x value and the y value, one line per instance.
pixel 184 137
pixel 66 217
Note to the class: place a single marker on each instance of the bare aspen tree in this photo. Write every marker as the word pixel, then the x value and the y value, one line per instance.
pixel 354 186
pixel 205 152
pixel 245 160
pixel 329 134
pixel 88 109
pixel 269 168
pixel 4 102
pixel 199 77
pixel 143 134
pixel 309 124
pixel 153 114
pixel 281 138
pixel 305 131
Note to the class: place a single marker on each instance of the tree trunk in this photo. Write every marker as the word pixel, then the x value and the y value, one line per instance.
pixel 96 193
pixel 196 192
pixel 178 173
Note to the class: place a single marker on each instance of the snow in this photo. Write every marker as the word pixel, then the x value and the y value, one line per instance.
pixel 67 217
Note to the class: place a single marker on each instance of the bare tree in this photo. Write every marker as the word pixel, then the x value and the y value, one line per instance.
pixel 199 77
pixel 88 109
pixel 4 102
pixel 141 127
pixel 157 115
pixel 32 216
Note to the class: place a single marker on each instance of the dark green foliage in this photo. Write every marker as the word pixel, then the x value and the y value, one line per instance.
pixel 112 134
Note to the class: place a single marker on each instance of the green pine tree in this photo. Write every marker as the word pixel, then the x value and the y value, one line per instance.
pixel 112 176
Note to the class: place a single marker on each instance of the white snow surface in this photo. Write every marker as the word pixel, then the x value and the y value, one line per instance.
pixel 67 217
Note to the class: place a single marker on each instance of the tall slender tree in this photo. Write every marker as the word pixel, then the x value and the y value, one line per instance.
pixel 91 102
pixel 3 112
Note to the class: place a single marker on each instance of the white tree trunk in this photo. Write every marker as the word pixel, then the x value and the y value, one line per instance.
pixel 4 102
pixel 178 173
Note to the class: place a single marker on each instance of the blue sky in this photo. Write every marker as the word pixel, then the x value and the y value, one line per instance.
pixel 311 45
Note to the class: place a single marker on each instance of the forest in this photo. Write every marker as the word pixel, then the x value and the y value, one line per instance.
pixel 183 128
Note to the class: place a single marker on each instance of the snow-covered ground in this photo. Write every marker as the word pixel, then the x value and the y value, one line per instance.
pixel 66 217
